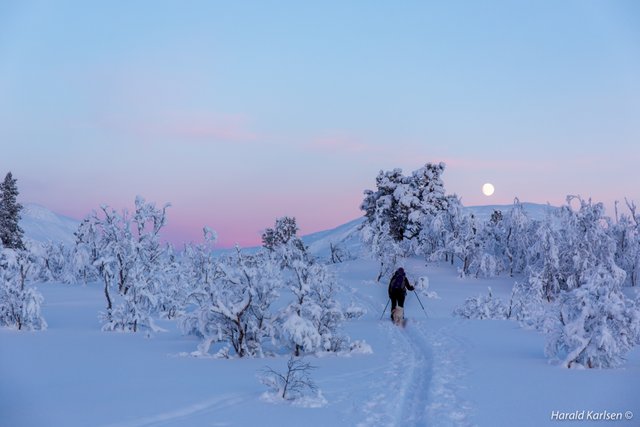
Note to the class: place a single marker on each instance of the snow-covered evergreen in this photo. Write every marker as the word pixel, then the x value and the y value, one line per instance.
pixel 405 203
pixel 10 232
pixel 399 213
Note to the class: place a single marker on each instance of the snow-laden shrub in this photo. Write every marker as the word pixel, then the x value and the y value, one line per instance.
pixel 595 324
pixel 301 333
pixel 295 385
pixel 234 308
pixel 20 307
pixel 312 320
pixel 19 303
pixel 126 254
pixel 482 307
pixel 527 304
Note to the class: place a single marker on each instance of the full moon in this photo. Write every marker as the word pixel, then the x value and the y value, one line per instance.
pixel 488 189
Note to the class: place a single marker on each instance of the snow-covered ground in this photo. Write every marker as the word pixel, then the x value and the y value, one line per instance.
pixel 438 371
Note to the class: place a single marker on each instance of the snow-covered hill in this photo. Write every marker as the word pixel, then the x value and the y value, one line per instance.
pixel 347 236
pixel 41 225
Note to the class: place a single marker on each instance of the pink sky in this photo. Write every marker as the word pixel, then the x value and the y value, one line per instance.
pixel 238 115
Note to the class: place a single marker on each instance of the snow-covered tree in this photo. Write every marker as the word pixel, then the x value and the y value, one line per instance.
pixel 19 303
pixel 595 324
pixel 528 305
pixel 436 239
pixel 490 237
pixel 233 305
pixel 463 243
pixel 53 262
pixel 285 231
pixel 626 232
pixel 126 253
pixel 383 247
pixel 10 232
pixel 403 205
pixel 312 320
pixel 584 242
pixel 517 238
pixel 544 271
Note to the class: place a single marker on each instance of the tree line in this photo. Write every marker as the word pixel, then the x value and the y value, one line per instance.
pixel 227 300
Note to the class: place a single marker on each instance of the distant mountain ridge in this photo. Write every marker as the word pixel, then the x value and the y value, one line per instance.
pixel 42 225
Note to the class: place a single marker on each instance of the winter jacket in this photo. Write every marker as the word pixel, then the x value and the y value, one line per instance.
pixel 405 285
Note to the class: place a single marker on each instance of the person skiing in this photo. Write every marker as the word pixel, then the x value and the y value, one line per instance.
pixel 398 286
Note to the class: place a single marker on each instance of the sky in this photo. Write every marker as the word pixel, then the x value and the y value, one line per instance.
pixel 241 112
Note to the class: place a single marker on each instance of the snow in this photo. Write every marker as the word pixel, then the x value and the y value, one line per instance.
pixel 533 210
pixel 42 225
pixel 440 370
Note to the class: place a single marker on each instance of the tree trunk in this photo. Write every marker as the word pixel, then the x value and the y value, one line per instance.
pixel 107 296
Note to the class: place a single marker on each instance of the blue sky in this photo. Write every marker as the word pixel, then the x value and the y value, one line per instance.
pixel 240 112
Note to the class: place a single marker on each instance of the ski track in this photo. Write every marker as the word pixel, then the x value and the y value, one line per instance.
pixel 423 381
pixel 445 404
pixel 424 378
pixel 183 414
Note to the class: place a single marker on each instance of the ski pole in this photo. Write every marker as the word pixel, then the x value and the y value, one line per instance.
pixel 385 308
pixel 425 311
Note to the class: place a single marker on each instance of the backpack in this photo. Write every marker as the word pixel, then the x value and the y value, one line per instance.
pixel 397 282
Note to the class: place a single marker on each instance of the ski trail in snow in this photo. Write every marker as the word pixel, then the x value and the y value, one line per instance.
pixel 182 414
pixel 387 394
pixel 422 384
pixel 424 378
pixel 445 405
pixel 418 375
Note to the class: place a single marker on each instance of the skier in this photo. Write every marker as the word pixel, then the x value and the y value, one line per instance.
pixel 397 292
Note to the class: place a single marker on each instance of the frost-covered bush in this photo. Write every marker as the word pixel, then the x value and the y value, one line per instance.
pixel 126 254
pixel 482 307
pixel 527 304
pixel 626 233
pixel 234 305
pixel 19 303
pixel 311 321
pixel 52 262
pixel 595 324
